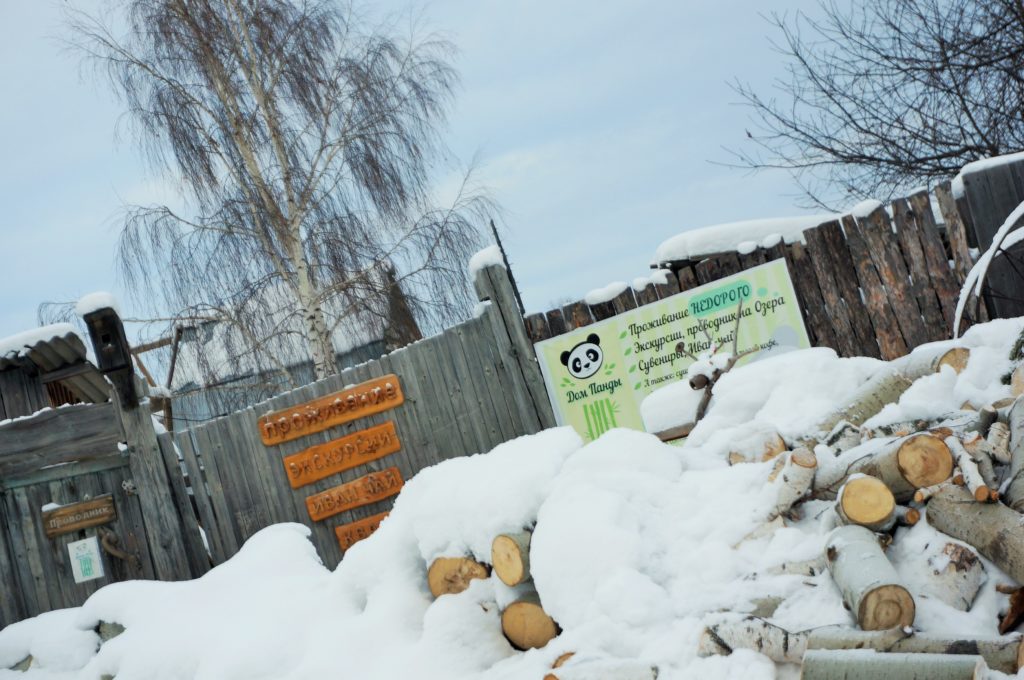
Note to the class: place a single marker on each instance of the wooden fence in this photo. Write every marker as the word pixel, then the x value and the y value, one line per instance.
pixel 465 391
pixel 868 285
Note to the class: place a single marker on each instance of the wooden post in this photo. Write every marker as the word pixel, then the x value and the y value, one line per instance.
pixel 164 532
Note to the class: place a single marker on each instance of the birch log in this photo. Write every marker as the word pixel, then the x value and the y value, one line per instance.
pixel 865 664
pixel 870 398
pixel 1015 424
pixel 955 574
pixel 992 528
pixel 526 625
pixel 451 575
pixel 969 469
pixel 510 557
pixel 866 501
pixel 795 479
pixel 928 360
pixel 870 586
pixel 998 441
pixel 754 633
pixel 844 436
pixel 1000 653
pixel 905 465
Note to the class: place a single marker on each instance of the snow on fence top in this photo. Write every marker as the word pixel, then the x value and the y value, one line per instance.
pixel 98 300
pixel 719 238
pixel 609 292
pixel 16 345
pixel 491 255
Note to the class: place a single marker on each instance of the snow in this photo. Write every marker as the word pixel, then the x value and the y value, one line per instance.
pixel 694 244
pixel 1009 234
pixel 488 257
pixel 636 546
pixel 746 247
pixel 988 163
pixel 15 345
pixel 94 301
pixel 863 209
pixel 609 292
pixel 658 276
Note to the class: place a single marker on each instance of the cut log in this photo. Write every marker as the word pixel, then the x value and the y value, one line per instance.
pixel 1017 381
pixel 773 446
pixel 998 441
pixel 767 448
pixel 754 633
pixel 908 517
pixel 870 398
pixel 928 360
pixel 969 469
pixel 1015 445
pixel 844 436
pixel 870 586
pixel 1015 614
pixel 981 453
pixel 1000 653
pixel 905 465
pixel 510 557
pixel 451 575
pixel 955 575
pixel 795 479
pixel 924 493
pixel 992 528
pixel 866 501
pixel 986 416
pixel 526 625
pixel 611 669
pixel 865 664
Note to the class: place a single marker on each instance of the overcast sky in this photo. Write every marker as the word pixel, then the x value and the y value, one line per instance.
pixel 597 125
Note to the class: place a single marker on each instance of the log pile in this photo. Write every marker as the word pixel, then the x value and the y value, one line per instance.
pixel 963 472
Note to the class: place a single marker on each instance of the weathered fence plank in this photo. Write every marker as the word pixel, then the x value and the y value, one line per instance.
pixel 624 301
pixel 201 494
pixel 943 278
pixel 57 436
pixel 805 281
pixel 955 230
pixel 880 312
pixel 921 287
pixel 556 322
pixel 824 260
pixel 577 314
pixel 537 327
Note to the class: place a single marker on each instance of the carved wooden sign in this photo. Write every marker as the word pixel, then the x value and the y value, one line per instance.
pixel 76 516
pixel 323 460
pixel 364 399
pixel 366 489
pixel 353 532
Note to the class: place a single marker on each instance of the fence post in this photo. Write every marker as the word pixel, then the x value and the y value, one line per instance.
pixel 492 283
pixel 164 533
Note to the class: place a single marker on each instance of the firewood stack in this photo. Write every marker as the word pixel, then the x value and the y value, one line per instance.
pixel 964 473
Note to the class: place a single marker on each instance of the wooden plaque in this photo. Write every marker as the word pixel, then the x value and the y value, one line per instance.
pixel 366 489
pixel 69 518
pixel 365 399
pixel 323 460
pixel 353 532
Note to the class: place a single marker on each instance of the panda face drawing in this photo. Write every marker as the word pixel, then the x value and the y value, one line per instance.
pixel 584 359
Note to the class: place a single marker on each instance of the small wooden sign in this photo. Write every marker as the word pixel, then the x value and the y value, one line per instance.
pixel 366 489
pixel 365 399
pixel 344 453
pixel 353 532
pixel 69 518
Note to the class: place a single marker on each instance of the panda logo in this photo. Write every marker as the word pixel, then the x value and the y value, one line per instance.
pixel 584 359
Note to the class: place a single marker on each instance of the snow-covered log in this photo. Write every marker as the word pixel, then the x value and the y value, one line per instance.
pixel 870 398
pixel 955 574
pixel 928 360
pixel 795 479
pixel 1014 495
pixel 992 528
pixel 811 567
pixel 870 586
pixel 986 416
pixel 450 575
pixel 617 669
pixel 755 633
pixel 865 664
pixel 1000 653
pixel 998 443
pixel 969 469
pixel 526 625
pixel 510 557
pixel 866 501
pixel 844 436
pixel 905 465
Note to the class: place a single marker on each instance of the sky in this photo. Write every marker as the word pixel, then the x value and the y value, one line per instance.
pixel 600 128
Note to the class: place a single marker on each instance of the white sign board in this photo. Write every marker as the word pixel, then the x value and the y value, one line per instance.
pixel 86 561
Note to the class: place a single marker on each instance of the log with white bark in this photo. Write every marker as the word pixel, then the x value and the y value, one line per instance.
pixel 1017 381
pixel 611 669
pixel 1014 495
pixel 992 528
pixel 927 360
pixel 811 567
pixel 905 465
pixel 954 575
pixel 451 575
pixel 753 633
pixel 924 493
pixel 998 441
pixel 866 501
pixel 870 398
pixel 510 557
pixel 969 469
pixel 865 664
pixel 981 454
pixel 844 436
pixel 908 517
pixel 870 586
pixel 986 416
pixel 1003 654
pixel 758 450
pixel 526 625
pixel 795 479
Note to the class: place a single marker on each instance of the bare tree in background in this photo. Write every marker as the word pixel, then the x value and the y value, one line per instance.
pixel 303 140
pixel 883 95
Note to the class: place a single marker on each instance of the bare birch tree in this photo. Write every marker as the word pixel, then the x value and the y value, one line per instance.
pixel 304 142
pixel 884 95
